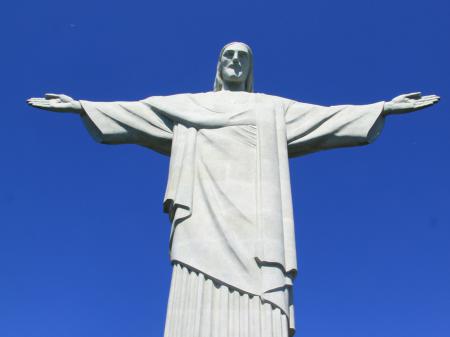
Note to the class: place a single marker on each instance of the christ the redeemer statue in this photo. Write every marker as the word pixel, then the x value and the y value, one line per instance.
pixel 228 196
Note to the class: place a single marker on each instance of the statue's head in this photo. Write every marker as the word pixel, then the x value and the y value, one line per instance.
pixel 235 66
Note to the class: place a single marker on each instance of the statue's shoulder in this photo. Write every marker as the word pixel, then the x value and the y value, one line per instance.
pixel 168 98
pixel 177 101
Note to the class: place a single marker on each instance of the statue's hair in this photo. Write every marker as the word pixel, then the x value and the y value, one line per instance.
pixel 218 82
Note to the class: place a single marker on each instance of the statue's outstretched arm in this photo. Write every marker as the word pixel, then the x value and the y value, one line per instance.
pixel 409 103
pixel 57 103
pixel 133 122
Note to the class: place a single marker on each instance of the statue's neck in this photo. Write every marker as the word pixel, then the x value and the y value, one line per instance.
pixel 232 86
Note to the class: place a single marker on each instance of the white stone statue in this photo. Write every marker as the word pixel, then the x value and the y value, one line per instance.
pixel 228 195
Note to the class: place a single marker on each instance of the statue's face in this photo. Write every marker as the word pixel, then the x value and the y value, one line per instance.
pixel 235 63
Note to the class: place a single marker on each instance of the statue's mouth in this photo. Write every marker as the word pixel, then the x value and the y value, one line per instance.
pixel 235 67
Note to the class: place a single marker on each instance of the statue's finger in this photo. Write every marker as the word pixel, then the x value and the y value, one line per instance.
pixel 45 101
pixel 417 94
pixel 35 99
pixel 424 104
pixel 430 96
pixel 427 99
pixel 41 107
pixel 50 96
pixel 35 102
pixel 38 104
pixel 40 101
pixel 433 101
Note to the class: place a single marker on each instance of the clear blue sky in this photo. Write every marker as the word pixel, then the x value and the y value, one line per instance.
pixel 83 240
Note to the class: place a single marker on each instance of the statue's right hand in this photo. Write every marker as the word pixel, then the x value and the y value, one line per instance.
pixel 56 102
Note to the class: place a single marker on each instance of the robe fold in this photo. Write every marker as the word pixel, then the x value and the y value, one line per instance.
pixel 228 194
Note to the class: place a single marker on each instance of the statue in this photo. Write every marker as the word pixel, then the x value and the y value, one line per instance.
pixel 228 197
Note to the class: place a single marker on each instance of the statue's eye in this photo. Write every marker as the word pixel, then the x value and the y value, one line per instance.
pixel 228 54
pixel 242 54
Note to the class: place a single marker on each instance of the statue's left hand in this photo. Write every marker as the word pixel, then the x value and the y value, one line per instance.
pixel 409 103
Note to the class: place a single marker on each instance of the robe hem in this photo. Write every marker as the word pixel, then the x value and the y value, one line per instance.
pixel 217 281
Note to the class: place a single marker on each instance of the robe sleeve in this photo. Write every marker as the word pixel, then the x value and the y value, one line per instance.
pixel 312 128
pixel 128 123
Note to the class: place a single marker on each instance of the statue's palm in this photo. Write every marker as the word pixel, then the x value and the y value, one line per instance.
pixel 56 102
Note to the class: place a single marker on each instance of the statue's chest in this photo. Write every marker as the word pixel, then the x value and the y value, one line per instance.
pixel 227 102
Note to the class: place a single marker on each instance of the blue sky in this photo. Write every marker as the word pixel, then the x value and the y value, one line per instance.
pixel 83 240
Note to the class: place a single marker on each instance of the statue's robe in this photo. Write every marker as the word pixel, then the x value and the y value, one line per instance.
pixel 228 194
